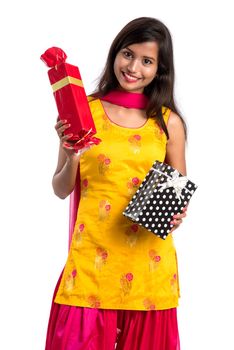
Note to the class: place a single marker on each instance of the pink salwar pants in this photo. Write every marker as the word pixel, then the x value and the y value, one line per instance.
pixel 81 328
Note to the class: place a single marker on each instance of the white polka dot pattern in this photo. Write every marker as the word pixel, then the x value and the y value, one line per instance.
pixel 157 212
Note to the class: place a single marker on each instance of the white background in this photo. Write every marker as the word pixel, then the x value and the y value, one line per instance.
pixel 34 222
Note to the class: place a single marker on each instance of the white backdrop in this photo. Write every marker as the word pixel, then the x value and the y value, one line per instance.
pixel 34 222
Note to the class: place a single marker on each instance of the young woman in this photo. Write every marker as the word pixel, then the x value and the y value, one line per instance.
pixel 119 288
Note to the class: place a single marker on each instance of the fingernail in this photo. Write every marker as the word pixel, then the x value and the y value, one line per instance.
pixel 174 216
pixel 172 222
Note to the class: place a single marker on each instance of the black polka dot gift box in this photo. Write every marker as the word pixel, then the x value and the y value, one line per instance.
pixel 163 193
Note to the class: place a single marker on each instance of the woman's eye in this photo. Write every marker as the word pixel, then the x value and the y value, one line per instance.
pixel 147 61
pixel 127 54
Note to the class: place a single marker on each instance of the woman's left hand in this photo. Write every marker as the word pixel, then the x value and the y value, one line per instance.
pixel 177 219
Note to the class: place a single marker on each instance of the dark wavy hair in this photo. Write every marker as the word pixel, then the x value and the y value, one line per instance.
pixel 161 90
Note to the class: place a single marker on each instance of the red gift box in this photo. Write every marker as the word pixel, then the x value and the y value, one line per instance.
pixel 70 98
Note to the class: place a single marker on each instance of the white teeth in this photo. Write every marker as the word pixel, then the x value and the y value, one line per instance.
pixel 130 77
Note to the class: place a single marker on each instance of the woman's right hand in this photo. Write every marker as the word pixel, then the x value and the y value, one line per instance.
pixel 67 145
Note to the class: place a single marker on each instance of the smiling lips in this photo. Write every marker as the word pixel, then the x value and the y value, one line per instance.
pixel 129 78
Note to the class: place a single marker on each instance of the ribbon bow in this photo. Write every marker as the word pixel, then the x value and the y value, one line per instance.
pixel 85 140
pixel 175 181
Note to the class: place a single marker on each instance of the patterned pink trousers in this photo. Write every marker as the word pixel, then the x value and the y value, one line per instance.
pixel 80 328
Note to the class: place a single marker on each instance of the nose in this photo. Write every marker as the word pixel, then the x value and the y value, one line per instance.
pixel 133 66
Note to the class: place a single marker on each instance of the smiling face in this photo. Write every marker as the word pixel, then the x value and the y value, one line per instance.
pixel 136 66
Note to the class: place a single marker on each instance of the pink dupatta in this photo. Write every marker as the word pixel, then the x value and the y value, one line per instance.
pixel 73 207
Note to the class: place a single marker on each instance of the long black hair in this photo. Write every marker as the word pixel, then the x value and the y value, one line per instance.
pixel 161 90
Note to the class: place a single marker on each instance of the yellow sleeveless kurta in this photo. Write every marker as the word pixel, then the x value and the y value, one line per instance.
pixel 114 263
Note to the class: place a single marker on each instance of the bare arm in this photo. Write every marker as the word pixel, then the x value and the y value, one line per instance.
pixel 175 152
pixel 64 178
pixel 175 155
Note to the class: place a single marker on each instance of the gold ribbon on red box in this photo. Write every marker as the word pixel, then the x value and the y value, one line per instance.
pixel 65 81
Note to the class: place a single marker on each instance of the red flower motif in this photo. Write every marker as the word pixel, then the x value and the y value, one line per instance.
pixel 107 161
pixel 129 276
pixel 135 181
pixel 134 228
pixel 94 301
pixel 137 137
pixel 85 182
pixel 99 250
pixel 175 276
pixel 157 258
pixel 108 207
pixel 74 273
pixel 81 227
pixel 104 255
pixel 148 304
pixel 102 252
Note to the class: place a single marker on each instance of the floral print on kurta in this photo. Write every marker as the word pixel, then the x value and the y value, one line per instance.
pixel 132 185
pixel 114 263
pixel 154 260
pixel 94 301
pixel 132 232
pixel 149 304
pixel 104 209
pixel 126 281
pixel 70 281
pixel 100 258
pixel 135 143
pixel 84 188
pixel 78 232
pixel 103 164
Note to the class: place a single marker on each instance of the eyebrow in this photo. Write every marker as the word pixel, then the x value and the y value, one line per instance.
pixel 151 58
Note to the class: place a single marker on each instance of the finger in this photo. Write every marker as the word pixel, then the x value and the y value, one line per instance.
pixel 60 123
pixel 61 129
pixel 66 137
pixel 68 146
pixel 179 216
pixel 176 222
pixel 173 228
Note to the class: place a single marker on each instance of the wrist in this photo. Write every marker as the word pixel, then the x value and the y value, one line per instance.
pixel 74 159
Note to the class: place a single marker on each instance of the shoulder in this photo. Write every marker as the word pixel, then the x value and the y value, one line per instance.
pixel 175 149
pixel 173 121
pixel 175 125
pixel 94 103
